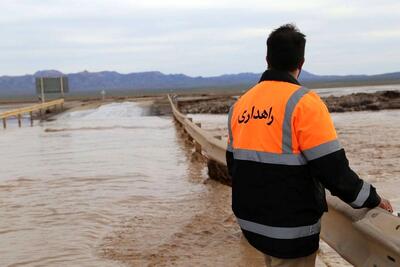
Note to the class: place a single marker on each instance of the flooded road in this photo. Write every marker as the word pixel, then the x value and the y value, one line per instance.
pixel 340 91
pixel 116 186
pixel 112 186
pixel 66 185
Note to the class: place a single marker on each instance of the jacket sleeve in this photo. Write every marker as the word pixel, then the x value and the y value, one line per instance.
pixel 327 161
pixel 334 172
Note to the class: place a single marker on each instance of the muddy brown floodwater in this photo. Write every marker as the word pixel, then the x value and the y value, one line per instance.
pixel 111 186
pixel 118 186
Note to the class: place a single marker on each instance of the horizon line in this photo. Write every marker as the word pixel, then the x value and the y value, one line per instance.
pixel 192 76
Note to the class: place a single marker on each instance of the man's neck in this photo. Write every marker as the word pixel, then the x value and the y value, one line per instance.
pixel 294 73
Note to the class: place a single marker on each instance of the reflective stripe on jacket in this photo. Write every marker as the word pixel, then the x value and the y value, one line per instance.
pixel 282 145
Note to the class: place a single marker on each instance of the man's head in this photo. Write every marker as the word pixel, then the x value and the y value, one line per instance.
pixel 285 49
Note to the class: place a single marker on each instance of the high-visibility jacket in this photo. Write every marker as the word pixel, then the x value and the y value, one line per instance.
pixel 282 152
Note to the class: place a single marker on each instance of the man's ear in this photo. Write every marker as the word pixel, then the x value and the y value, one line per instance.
pixel 300 67
pixel 301 64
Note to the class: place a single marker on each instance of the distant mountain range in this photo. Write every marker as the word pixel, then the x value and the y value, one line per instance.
pixel 145 81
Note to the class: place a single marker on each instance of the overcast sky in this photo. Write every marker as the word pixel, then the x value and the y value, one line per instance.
pixel 195 37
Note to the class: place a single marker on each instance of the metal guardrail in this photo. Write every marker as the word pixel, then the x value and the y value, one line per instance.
pixel 214 148
pixel 20 111
pixel 362 237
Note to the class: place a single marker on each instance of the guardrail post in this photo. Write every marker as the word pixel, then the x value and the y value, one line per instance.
pixel 19 120
pixel 31 115
pixel 4 123
pixel 198 124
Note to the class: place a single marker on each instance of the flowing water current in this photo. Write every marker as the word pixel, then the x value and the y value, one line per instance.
pixel 117 186
pixel 67 184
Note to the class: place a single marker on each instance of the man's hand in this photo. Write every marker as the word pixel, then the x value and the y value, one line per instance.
pixel 385 204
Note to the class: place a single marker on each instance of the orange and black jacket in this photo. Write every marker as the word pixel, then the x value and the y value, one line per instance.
pixel 282 152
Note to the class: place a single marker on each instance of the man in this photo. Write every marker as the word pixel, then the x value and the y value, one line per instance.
pixel 282 152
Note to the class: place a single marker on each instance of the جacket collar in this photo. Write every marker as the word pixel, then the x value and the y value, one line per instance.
pixel 276 75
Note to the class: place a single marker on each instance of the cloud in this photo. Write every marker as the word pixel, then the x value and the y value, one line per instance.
pixel 384 35
pixel 194 37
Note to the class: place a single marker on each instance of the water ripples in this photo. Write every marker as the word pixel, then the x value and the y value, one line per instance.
pixel 66 183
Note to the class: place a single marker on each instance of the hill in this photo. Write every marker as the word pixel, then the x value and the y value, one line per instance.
pixel 86 82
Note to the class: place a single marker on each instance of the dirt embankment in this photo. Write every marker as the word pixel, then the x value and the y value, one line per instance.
pixel 213 105
pixel 352 102
pixel 364 101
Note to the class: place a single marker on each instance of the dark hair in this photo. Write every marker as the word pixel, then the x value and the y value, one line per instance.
pixel 285 48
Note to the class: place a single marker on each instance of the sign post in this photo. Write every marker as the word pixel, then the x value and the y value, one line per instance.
pixel 42 89
pixel 62 86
